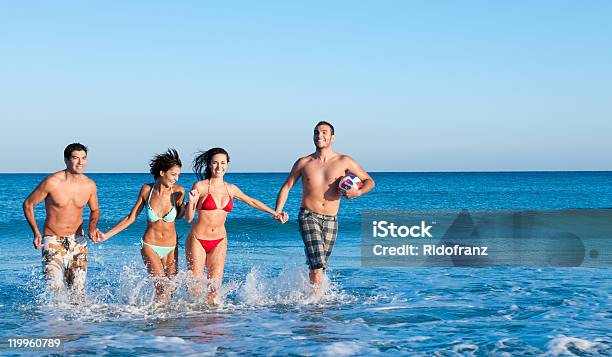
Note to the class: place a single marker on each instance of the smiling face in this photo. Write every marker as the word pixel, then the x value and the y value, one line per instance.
pixel 323 137
pixel 170 177
pixel 218 165
pixel 77 162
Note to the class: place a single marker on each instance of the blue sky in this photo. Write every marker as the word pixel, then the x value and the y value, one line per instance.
pixel 410 85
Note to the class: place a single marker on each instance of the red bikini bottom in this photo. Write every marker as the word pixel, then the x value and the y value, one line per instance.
pixel 209 244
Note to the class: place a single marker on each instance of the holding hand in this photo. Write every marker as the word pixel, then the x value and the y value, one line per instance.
pixel 37 241
pixel 193 196
pixel 99 237
pixel 92 233
pixel 351 194
pixel 283 217
pixel 349 186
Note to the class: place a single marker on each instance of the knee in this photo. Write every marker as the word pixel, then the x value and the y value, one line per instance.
pixel 215 274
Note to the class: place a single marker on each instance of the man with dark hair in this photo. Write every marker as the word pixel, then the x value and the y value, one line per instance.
pixel 321 172
pixel 63 240
pixel 74 147
pixel 323 122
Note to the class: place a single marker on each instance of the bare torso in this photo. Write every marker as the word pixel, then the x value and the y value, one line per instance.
pixel 64 204
pixel 211 224
pixel 320 183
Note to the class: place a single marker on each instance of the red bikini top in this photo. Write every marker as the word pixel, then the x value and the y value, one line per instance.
pixel 209 204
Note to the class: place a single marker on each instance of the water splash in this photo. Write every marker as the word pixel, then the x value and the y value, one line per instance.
pixel 131 295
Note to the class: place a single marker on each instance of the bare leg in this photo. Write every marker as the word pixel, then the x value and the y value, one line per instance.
pixel 316 276
pixel 316 279
pixel 215 264
pixel 170 263
pixel 196 258
pixel 156 269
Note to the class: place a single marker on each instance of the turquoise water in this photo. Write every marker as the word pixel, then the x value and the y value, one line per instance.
pixel 267 309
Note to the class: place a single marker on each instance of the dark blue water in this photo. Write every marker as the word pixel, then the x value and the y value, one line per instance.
pixel 267 308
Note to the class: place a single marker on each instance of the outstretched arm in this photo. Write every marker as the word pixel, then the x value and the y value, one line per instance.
pixel 368 182
pixel 254 203
pixel 294 175
pixel 129 219
pixel 36 197
pixel 94 214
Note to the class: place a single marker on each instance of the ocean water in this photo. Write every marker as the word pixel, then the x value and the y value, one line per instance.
pixel 267 309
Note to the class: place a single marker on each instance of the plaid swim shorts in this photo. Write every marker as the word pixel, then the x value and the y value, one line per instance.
pixel 319 234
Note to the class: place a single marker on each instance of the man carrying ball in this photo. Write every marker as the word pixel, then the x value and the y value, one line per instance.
pixel 321 173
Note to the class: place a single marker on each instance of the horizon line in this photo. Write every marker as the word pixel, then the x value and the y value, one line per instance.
pixel 280 172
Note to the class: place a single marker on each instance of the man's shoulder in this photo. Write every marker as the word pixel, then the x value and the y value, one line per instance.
pixel 89 182
pixel 54 182
pixel 344 157
pixel 310 158
pixel 305 159
pixel 56 176
pixel 54 179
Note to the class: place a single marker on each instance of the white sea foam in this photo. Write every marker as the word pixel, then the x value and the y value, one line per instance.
pixel 466 349
pixel 574 346
pixel 342 349
pixel 140 342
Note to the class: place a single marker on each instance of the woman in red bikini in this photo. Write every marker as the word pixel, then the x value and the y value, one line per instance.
pixel 206 244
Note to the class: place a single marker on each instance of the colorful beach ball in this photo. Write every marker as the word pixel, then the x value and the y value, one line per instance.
pixel 350 182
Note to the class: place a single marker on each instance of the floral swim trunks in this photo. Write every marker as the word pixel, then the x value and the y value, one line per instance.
pixel 64 260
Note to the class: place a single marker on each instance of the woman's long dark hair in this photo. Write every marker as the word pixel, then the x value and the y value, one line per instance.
pixel 201 164
pixel 164 162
